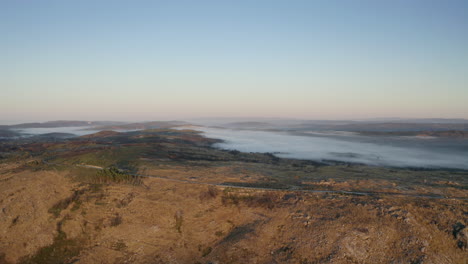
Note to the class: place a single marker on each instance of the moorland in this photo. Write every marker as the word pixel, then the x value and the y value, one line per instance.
pixel 171 196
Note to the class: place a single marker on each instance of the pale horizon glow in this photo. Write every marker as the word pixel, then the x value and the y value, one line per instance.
pixel 165 60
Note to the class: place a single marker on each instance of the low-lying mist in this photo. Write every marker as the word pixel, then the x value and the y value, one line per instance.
pixel 79 131
pixel 394 151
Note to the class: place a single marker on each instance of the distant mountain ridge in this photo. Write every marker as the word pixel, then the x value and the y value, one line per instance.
pixel 444 134
pixel 353 126
pixel 423 126
pixel 248 125
pixel 61 123
pixel 141 125
pixel 394 127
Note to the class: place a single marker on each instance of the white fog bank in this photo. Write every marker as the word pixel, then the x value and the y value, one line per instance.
pixel 320 148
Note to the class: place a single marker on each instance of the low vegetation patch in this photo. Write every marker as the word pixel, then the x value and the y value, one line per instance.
pixel 63 204
pixel 119 245
pixel 115 175
pixel 2 258
pixel 116 220
pixel 239 232
pixel 206 251
pixel 211 193
pixel 265 200
pixel 179 219
pixel 62 250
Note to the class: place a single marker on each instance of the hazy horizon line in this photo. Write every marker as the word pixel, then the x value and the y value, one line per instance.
pixel 23 121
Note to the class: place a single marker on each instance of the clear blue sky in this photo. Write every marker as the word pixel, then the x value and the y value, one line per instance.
pixel 183 59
